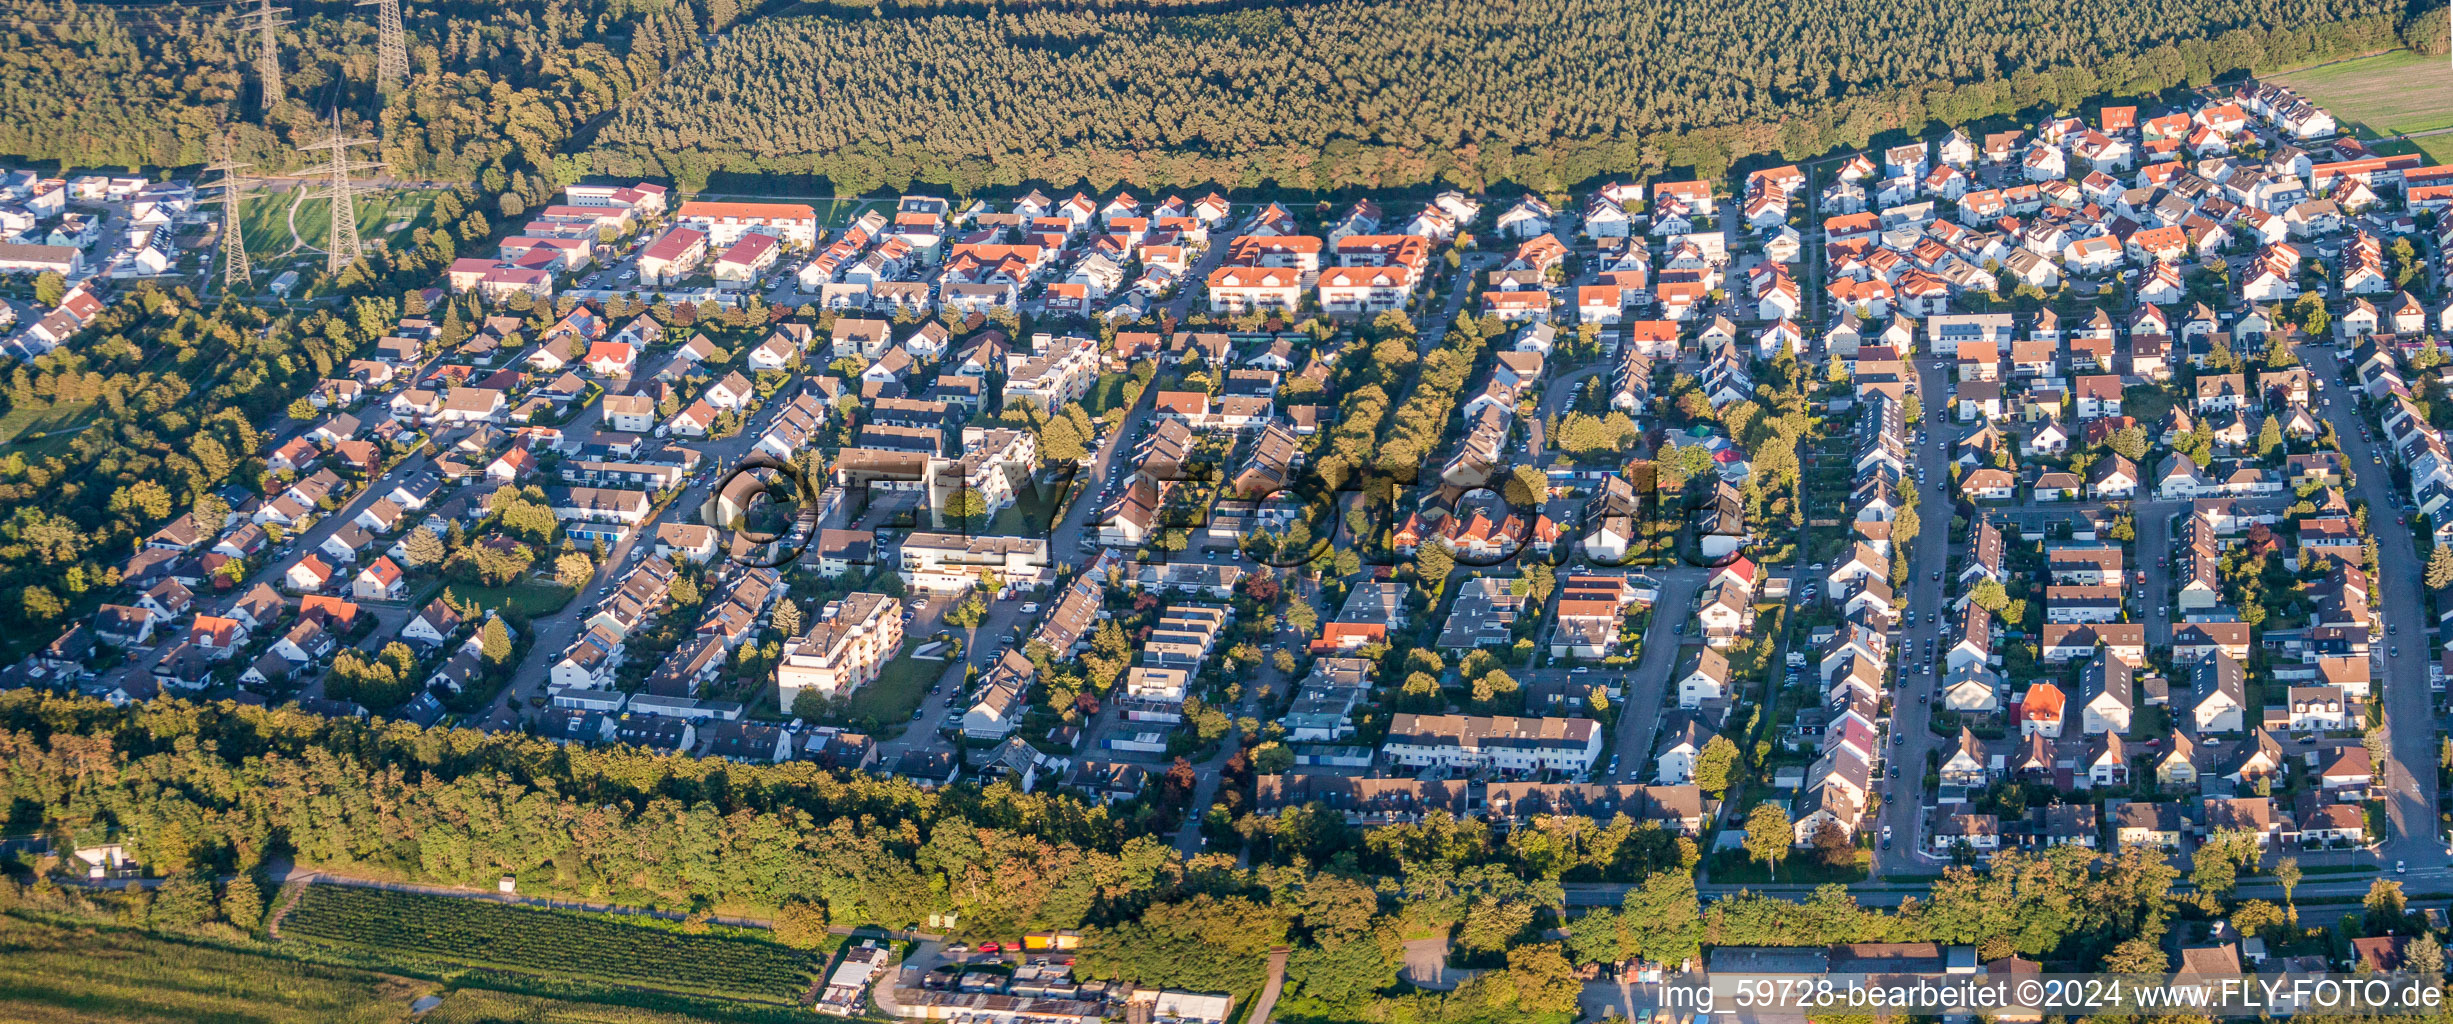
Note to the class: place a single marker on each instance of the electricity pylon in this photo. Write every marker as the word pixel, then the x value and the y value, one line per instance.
pixel 391 45
pixel 268 51
pixel 237 277
pixel 343 247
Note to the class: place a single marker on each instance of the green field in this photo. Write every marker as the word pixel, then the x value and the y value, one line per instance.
pixel 266 220
pixel 529 599
pixel 834 214
pixel 61 973
pixel 899 688
pixel 444 933
pixel 2389 94
pixel 377 214
pixel 23 425
pixel 2439 148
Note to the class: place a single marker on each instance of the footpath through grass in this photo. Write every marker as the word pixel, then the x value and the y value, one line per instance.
pixel 440 933
pixel 31 424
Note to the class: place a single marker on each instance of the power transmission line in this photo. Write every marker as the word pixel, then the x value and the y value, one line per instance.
pixel 82 13
pixel 237 276
pixel 268 56
pixel 343 248
pixel 391 45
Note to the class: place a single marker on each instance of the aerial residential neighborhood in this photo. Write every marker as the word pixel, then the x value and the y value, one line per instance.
pixel 1070 586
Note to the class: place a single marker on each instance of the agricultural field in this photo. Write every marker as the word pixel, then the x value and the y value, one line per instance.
pixel 565 947
pixel 479 1006
pixel 60 973
pixel 2388 94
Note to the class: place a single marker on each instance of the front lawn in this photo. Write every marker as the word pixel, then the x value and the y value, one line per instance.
pixel 898 690
pixel 1800 867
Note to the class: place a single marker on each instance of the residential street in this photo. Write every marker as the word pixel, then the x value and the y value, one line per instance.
pixel 2401 676
pixel 554 633
pixel 2154 547
pixel 1914 674
pixel 1639 712
pixel 1554 398
pixel 1459 283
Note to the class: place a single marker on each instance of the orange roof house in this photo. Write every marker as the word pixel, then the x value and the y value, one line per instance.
pixel 334 613
pixel 214 631
pixel 1346 636
pixel 2040 710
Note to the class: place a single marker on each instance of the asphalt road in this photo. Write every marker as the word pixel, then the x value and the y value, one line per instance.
pixel 2400 659
pixel 1912 678
pixel 1554 399
pixel 2155 558
pixel 1639 715
pixel 1459 283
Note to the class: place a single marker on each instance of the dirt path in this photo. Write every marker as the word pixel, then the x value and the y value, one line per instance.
pixel 298 197
pixel 290 892
pixel 1268 1000
pixel 1426 964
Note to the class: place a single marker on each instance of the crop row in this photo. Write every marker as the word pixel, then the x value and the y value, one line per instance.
pixel 562 945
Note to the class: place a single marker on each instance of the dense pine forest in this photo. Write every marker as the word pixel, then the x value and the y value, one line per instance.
pixel 1156 92
pixel 1384 93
